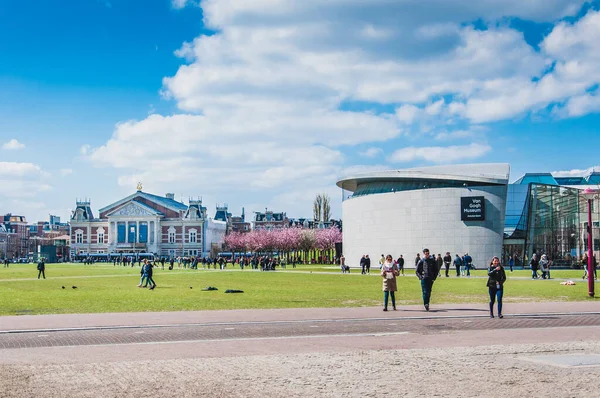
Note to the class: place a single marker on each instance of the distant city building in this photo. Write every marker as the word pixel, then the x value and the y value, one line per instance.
pixel 17 243
pixel 270 220
pixel 146 223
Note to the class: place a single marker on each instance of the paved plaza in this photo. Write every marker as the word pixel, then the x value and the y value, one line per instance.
pixel 541 349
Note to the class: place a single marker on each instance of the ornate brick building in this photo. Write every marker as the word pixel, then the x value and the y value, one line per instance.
pixel 145 223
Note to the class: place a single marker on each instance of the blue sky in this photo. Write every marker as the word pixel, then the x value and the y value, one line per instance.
pixel 266 103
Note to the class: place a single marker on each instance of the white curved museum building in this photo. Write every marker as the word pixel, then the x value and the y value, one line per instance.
pixel 453 208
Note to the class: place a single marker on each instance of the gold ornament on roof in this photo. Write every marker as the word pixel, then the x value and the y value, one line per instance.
pixel 139 186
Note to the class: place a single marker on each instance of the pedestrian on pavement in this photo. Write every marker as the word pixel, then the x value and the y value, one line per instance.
pixel 41 268
pixel 495 284
pixel 447 261
pixel 439 261
pixel 417 259
pixel 427 272
pixel 381 261
pixel 457 264
pixel 368 264
pixel 400 263
pixel 389 272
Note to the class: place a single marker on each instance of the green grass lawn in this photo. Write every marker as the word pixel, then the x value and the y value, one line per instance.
pixel 105 288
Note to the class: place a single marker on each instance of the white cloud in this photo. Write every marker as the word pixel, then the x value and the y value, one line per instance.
pixel 407 113
pixel 453 135
pixel 179 4
pixel 22 180
pixel 66 172
pixel 21 170
pixel 13 145
pixel 438 154
pixel 263 98
pixel 85 149
pixel 576 172
pixel 372 152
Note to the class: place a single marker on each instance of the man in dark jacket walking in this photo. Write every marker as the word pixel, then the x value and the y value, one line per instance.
pixel 427 272
pixel 41 268
pixel 447 262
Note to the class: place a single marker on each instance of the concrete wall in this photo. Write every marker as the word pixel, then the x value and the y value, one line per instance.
pixel 407 221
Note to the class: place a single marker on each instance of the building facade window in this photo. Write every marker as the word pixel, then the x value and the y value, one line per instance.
pixel 79 236
pixel 193 236
pixel 171 235
pixel 143 233
pixel 100 237
pixel 121 232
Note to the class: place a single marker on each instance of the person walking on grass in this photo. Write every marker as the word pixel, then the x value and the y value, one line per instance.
pixel 144 274
pixel 447 261
pixel 467 260
pixel 457 264
pixel 368 264
pixel 400 263
pixel 389 272
pixel 41 268
pixel 149 279
pixel 534 265
pixel 495 284
pixel 427 272
pixel 544 266
pixel 439 261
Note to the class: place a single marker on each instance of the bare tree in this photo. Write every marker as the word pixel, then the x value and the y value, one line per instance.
pixel 317 208
pixel 326 207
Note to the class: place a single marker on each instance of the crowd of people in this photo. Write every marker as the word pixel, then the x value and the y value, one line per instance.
pixel 429 267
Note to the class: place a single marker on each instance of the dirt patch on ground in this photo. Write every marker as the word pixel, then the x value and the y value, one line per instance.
pixel 492 371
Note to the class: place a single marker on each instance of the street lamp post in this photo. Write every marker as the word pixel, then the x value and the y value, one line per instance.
pixel 590 194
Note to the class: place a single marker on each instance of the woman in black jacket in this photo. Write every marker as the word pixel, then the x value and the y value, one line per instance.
pixel 495 284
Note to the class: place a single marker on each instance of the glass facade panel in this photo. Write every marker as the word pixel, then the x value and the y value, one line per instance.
pixel 554 223
pixel 515 222
pixel 371 188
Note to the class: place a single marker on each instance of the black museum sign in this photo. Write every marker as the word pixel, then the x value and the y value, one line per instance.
pixel 472 208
